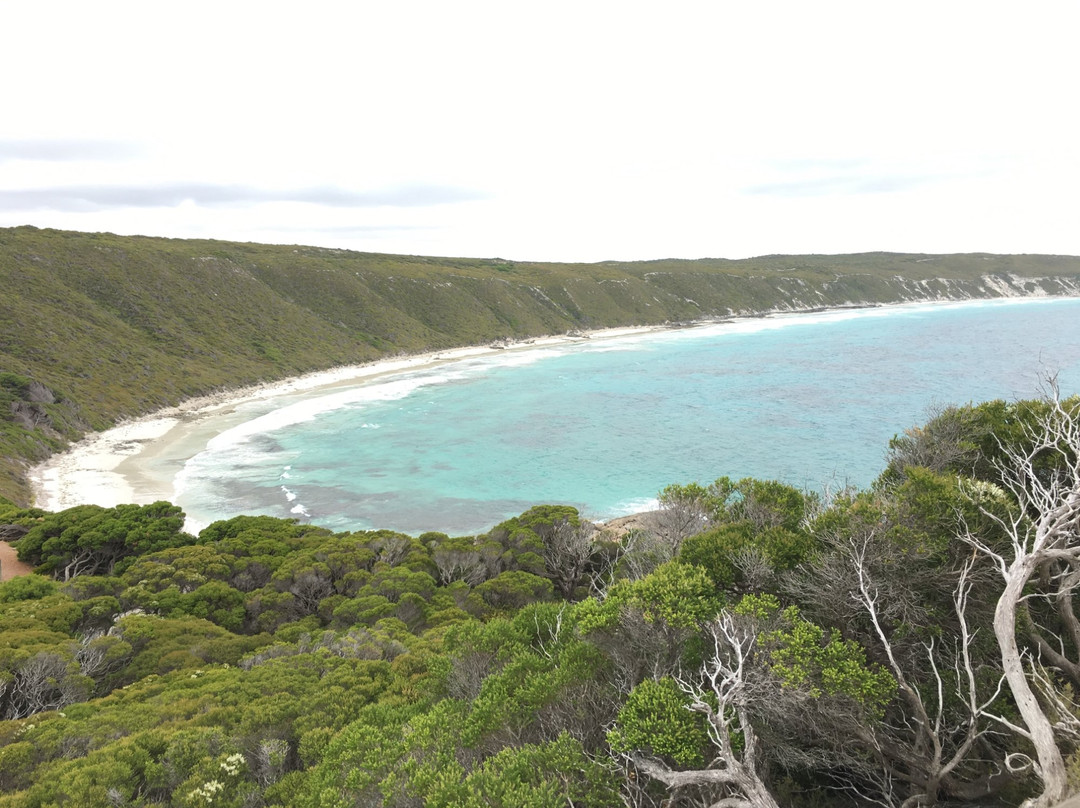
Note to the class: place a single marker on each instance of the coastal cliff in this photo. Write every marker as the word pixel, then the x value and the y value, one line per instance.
pixel 95 328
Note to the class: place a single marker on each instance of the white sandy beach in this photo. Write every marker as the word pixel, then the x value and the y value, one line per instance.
pixel 137 461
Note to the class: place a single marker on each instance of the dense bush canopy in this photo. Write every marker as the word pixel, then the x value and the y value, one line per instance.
pixel 793 651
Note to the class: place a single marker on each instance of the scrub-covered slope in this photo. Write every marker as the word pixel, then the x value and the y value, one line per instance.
pixel 96 327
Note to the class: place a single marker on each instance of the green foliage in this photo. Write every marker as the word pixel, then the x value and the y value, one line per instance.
pixel 970 440
pixel 761 503
pixel 529 678
pixel 678 595
pixel 806 656
pixel 513 589
pixel 166 736
pixel 26 587
pixel 265 528
pixel 710 500
pixel 924 511
pixel 760 607
pixel 769 504
pixel 182 664
pixel 161 645
pixel 719 551
pixel 656 719
pixel 17 762
pixel 90 540
pixel 537 522
pixel 185 568
pixel 546 775
pixel 547 540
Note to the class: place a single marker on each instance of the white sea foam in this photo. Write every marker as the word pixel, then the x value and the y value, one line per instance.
pixel 772 322
pixel 235 442
pixel 513 359
pixel 632 506
pixel 310 408
pixel 237 448
pixel 614 346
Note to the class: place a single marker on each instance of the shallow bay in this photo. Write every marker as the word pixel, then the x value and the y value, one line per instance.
pixel 603 425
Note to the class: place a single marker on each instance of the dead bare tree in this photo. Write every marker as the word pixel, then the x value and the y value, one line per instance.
pixel 568 548
pixel 642 552
pixel 684 511
pixel 459 564
pixel 938 446
pixel 719 691
pixel 390 549
pixel 945 744
pixel 1041 474
pixel 45 681
pixel 1061 647
pixel 916 611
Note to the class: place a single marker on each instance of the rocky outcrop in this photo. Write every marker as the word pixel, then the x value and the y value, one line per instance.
pixel 31 416
pixel 11 533
pixel 27 408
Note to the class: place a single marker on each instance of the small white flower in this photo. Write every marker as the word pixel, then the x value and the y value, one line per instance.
pixel 233 763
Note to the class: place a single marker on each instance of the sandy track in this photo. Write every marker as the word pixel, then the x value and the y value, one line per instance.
pixel 10 566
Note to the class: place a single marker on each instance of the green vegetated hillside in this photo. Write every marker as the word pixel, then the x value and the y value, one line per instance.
pixel 96 327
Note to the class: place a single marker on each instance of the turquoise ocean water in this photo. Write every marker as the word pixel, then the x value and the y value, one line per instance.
pixel 604 424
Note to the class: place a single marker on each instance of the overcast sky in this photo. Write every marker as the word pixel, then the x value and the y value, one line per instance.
pixel 579 131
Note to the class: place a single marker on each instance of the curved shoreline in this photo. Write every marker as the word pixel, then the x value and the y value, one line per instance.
pixel 137 461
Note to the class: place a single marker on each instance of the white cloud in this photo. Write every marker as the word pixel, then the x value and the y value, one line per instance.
pixel 568 131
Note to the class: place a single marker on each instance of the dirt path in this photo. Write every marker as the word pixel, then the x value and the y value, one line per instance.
pixel 10 566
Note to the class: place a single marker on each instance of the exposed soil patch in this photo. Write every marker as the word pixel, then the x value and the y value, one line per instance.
pixel 10 566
